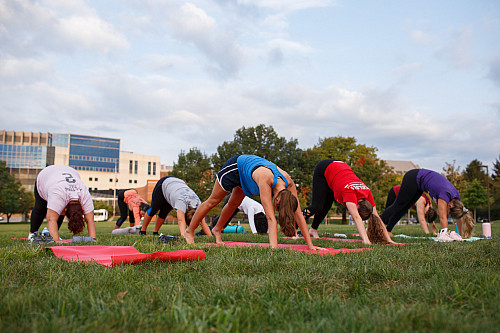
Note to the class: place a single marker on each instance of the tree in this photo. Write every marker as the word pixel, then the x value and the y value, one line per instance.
pixel 195 169
pixel 475 195
pixel 363 160
pixel 474 171
pixel 453 174
pixel 14 199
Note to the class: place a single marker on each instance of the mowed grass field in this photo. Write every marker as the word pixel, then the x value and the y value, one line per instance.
pixel 428 287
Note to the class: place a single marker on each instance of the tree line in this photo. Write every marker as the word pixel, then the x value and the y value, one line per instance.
pixel 198 170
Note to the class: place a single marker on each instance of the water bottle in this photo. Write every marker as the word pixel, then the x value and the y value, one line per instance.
pixel 45 232
pixel 487 229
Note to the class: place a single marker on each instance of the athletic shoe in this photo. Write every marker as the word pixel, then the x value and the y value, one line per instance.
pixel 456 237
pixel 36 238
pixel 444 236
pixel 142 233
pixel 155 233
pixel 165 239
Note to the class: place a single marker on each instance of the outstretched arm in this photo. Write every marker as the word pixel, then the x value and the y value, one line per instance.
pixel 89 218
pixel 443 213
pixel 358 222
pixel 421 214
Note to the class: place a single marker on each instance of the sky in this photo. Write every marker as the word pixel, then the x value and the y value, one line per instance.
pixel 419 80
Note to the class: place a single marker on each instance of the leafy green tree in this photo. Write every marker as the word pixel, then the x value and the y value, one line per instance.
pixel 453 174
pixel 474 171
pixel 475 195
pixel 14 199
pixel 363 160
pixel 262 141
pixel 195 169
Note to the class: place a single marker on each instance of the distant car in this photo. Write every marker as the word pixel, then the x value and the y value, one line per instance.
pixel 1 218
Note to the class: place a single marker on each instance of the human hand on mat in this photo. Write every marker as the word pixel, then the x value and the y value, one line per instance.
pixel 318 248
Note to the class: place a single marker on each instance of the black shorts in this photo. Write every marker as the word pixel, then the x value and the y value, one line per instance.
pixel 229 176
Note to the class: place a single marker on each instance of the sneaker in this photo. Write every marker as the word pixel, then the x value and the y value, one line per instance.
pixel 155 233
pixel 142 233
pixel 36 238
pixel 455 236
pixel 444 236
pixel 165 239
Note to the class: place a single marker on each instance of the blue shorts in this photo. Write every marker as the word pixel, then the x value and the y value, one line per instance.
pixel 229 176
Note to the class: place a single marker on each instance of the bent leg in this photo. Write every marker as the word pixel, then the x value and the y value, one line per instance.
pixel 217 195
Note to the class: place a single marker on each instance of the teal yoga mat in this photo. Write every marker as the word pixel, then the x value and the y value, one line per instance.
pixel 234 229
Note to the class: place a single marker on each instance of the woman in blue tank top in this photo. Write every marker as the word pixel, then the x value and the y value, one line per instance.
pixel 253 175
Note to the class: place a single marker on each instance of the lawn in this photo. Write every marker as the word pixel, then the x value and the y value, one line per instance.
pixel 428 287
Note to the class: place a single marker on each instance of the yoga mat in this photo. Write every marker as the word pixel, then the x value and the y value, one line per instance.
pixel 471 239
pixel 346 240
pixel 234 229
pixel 64 240
pixel 120 255
pixel 295 247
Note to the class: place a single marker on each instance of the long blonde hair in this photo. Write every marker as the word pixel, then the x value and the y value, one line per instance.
pixel 287 206
pixel 458 211
pixel 375 230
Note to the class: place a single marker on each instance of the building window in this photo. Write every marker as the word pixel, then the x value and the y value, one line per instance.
pixel 154 168
pixel 90 179
pixel 149 168
pixel 110 180
pixel 130 166
pixel 135 181
pixel 95 179
pixel 130 181
pixel 136 166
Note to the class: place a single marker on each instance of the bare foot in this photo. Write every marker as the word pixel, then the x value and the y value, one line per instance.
pixel 217 233
pixel 189 237
pixel 313 233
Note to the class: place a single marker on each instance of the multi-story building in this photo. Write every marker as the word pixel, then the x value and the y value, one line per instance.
pixel 99 161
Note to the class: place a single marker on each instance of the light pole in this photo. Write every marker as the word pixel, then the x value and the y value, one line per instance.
pixel 488 189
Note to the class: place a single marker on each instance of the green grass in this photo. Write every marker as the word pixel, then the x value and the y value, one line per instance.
pixel 422 288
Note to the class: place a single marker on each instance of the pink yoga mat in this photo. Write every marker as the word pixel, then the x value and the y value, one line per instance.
pixel 119 255
pixel 346 240
pixel 295 247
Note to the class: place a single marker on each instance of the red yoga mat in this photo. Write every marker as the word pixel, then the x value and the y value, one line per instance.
pixel 345 240
pixel 295 247
pixel 119 255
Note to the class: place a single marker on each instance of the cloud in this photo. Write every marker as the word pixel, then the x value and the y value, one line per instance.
pixel 18 70
pixel 420 37
pixel 457 49
pixel 55 26
pixel 494 70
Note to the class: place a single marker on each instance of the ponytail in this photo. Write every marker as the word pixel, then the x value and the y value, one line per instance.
pixel 287 206
pixel 375 230
pixel 458 211
pixel 74 213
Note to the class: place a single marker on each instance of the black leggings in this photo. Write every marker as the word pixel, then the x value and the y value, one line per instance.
pixel 39 212
pixel 216 218
pixel 322 195
pixel 391 196
pixel 158 201
pixel 407 196
pixel 124 211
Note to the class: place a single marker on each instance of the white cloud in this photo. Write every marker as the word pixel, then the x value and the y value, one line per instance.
pixel 457 49
pixel 421 37
pixel 14 70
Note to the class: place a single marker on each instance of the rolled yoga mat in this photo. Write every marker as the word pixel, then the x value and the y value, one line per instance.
pixel 232 229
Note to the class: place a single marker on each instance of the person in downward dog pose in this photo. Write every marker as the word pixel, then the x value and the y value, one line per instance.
pixel 417 181
pixel 253 175
pixel 425 213
pixel 335 180
pixel 60 192
pixel 131 205
pixel 172 193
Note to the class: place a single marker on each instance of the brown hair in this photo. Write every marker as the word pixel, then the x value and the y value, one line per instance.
pixel 189 214
pixel 458 211
pixel 375 230
pixel 287 206
pixel 431 215
pixel 74 213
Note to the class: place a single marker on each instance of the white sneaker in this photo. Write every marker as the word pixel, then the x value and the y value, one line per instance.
pixel 456 237
pixel 444 236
